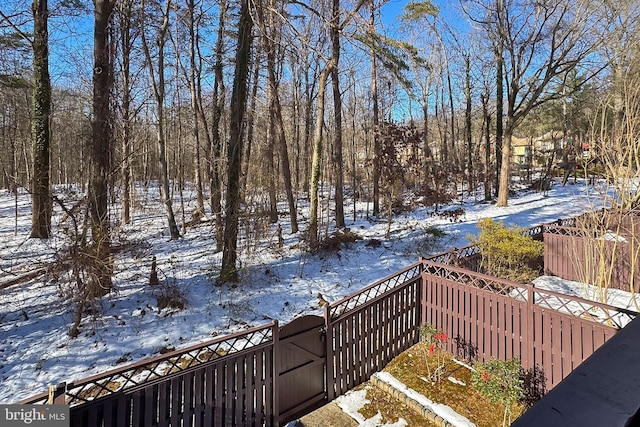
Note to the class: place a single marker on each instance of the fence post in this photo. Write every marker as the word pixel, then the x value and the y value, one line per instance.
pixel 57 394
pixel 329 356
pixel 423 292
pixel 276 374
pixel 529 339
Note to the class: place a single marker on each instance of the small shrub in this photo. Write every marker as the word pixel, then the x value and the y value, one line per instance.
pixel 435 341
pixel 507 252
pixel 169 295
pixel 429 240
pixel 166 290
pixel 337 239
pixel 501 382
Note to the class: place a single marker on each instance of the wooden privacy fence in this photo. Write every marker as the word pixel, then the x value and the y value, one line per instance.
pixel 572 254
pixel 227 381
pixel 502 319
pixel 269 375
pixel 366 330
pixel 264 376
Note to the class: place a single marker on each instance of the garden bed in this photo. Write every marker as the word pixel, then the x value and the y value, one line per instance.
pixel 453 389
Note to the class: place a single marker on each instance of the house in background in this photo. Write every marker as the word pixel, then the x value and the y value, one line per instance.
pixel 522 150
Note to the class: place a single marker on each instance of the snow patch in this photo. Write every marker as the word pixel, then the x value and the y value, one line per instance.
pixel 352 401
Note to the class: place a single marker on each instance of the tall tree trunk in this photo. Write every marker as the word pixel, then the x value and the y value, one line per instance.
pixel 125 12
pixel 453 152
pixel 337 112
pixel 309 84
pixel 376 118
pixel 505 169
pixel 487 147
pixel 215 148
pixel 277 123
pixel 193 91
pixel 41 106
pixel 158 86
pixel 499 114
pixel 229 270
pixel 316 160
pixel 100 150
pixel 428 157
pixel 251 119
pixel 271 162
pixel 467 125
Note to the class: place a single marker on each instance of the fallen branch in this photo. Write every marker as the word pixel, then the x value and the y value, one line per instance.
pixel 23 277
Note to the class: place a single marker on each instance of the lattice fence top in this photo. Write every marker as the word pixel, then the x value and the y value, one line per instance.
pixel 469 278
pixel 350 302
pixel 564 230
pixel 161 368
pixel 608 315
pixel 604 314
pixel 453 256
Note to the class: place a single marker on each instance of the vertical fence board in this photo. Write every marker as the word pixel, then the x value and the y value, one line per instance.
pixel 249 389
pixel 188 404
pixel 547 342
pixel 349 363
pixel 576 340
pixel 230 395
pixel 240 401
pixel 474 317
pixel 488 327
pixel 221 390
pixel 176 401
pixel 509 337
pixel 201 396
pixel 556 346
pixel 270 397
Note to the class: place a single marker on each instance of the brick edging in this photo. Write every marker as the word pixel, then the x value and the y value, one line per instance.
pixel 421 409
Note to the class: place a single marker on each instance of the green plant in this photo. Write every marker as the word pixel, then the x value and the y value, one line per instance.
pixel 501 382
pixel 435 341
pixel 430 240
pixel 506 251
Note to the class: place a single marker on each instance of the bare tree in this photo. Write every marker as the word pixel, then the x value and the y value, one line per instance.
pixel 272 33
pixel 41 110
pixel 214 148
pixel 41 190
pixel 128 35
pixel 158 86
pixel 539 42
pixel 228 271
pixel 337 115
pixel 337 24
pixel 100 151
pixel 376 114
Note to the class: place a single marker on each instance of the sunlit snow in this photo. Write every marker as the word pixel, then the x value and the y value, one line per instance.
pixel 277 283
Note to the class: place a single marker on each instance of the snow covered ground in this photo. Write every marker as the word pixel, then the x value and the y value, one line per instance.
pixel 276 283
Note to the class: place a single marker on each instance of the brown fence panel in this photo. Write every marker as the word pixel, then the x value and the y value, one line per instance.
pixel 559 255
pixel 224 382
pixel 572 257
pixel 487 317
pixel 235 391
pixel 488 322
pixel 561 342
pixel 366 330
pixel 254 377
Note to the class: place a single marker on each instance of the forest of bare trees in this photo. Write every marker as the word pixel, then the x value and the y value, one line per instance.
pixel 261 106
